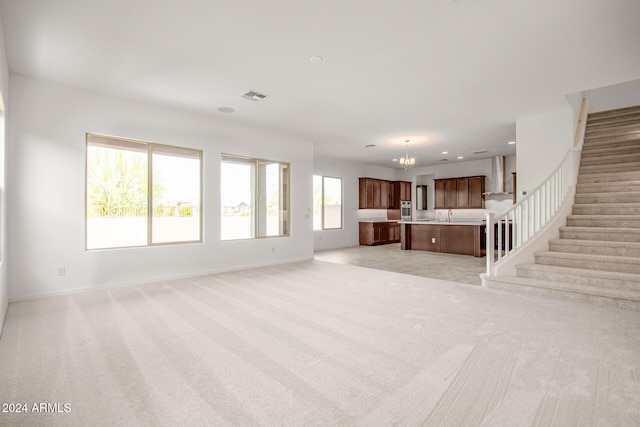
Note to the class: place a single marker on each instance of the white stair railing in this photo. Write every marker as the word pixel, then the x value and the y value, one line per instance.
pixel 508 231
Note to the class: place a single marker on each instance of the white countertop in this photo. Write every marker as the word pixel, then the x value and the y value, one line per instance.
pixel 378 220
pixel 434 222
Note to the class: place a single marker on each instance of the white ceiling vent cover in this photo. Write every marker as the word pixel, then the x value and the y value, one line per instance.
pixel 252 95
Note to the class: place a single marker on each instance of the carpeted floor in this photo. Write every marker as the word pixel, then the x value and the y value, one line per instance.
pixel 318 344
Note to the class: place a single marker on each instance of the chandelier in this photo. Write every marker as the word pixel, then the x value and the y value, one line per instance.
pixel 407 162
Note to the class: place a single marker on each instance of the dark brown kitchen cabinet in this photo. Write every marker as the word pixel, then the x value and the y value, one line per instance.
pixel 439 194
pixel 379 233
pixel 476 188
pixel 366 193
pixel 405 190
pixel 382 194
pixel 462 192
pixel 392 196
pixel 451 193
pixel 401 192
pixel 376 194
pixel 373 193
pixel 445 238
pixel 459 193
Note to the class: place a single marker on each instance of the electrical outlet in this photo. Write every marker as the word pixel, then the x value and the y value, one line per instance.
pixel 61 271
pixel 433 240
pixel 273 249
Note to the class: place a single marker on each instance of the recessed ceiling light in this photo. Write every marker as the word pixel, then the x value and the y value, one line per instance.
pixel 445 152
pixel 316 59
pixel 394 160
pixel 511 142
pixel 460 157
pixel 226 110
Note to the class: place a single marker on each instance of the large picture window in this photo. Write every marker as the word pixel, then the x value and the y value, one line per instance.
pixel 327 203
pixel 139 194
pixel 254 198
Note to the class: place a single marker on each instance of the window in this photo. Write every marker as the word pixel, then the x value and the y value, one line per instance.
pixel 327 203
pixel 254 198
pixel 140 194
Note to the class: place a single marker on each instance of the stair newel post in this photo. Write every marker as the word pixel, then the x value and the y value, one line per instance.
pixel 490 244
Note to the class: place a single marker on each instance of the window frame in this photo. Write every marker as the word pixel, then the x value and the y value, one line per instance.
pixel 322 204
pixel 255 196
pixel 149 201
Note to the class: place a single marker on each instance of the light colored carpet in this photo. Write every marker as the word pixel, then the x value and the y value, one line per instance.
pixel 319 344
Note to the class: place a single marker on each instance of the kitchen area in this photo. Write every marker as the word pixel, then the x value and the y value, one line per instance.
pixel 435 214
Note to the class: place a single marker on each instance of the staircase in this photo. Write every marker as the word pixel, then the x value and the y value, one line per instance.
pixel 597 257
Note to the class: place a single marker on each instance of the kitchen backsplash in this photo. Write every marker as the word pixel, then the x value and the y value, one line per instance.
pixel 372 214
pixel 460 214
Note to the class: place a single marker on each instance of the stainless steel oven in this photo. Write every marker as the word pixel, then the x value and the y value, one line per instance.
pixel 405 211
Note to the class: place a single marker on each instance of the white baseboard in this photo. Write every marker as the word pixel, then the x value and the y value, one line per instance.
pixel 157 279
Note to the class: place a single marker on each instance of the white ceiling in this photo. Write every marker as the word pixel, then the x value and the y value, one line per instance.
pixel 451 75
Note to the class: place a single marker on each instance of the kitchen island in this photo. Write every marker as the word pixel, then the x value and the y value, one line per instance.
pixel 456 237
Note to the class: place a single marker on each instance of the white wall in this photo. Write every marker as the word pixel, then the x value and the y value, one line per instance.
pixel 349 172
pixel 615 96
pixel 46 175
pixel 4 92
pixel 542 141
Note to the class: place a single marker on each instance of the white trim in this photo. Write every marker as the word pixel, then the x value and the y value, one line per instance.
pixel 157 279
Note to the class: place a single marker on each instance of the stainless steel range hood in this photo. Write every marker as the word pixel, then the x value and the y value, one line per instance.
pixel 497 180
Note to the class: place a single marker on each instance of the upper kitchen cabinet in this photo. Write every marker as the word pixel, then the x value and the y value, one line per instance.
pixel 374 193
pixel 476 188
pixel 401 193
pixel 382 194
pixel 459 193
pixel 439 193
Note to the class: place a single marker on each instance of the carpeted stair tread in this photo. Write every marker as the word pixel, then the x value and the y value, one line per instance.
pixel 607 279
pixel 612 142
pixel 609 151
pixel 609 221
pixel 608 197
pixel 590 257
pixel 612 122
pixel 603 177
pixel 590 261
pixel 571 287
pixel 621 234
pixel 606 209
pixel 617 299
pixel 624 128
pixel 635 245
pixel 620 167
pixel 607 187
pixel 612 159
pixel 612 136
pixel 596 247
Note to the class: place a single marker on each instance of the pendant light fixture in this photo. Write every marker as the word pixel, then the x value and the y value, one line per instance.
pixel 407 162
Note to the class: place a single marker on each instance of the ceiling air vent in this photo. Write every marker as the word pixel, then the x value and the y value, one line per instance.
pixel 444 160
pixel 252 95
pixel 480 152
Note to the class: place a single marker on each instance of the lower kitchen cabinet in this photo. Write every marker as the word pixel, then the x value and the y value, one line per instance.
pixel 451 239
pixel 460 239
pixel 379 233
